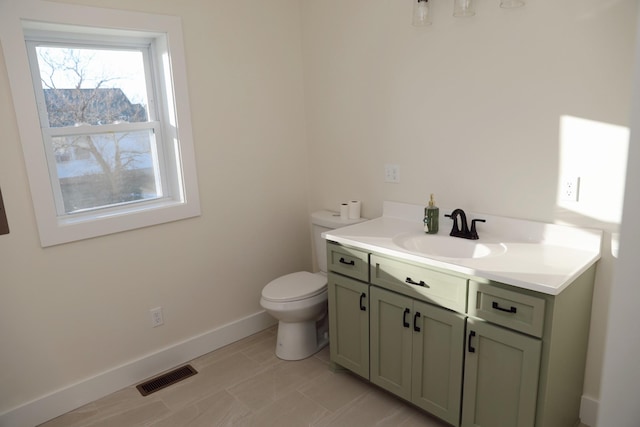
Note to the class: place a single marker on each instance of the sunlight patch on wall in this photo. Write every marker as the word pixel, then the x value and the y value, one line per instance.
pixel 596 152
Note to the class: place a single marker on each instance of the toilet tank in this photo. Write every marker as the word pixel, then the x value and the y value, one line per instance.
pixel 322 221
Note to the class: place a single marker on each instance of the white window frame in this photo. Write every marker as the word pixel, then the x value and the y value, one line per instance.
pixel 35 18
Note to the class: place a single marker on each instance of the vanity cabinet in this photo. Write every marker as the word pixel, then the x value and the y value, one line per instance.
pixel 471 351
pixel 417 352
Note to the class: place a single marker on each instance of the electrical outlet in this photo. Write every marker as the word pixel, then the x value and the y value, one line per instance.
pixel 392 173
pixel 569 189
pixel 156 317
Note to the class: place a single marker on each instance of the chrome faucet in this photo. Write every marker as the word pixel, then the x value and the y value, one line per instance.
pixel 464 233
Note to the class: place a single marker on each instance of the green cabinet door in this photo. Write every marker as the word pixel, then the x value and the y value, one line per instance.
pixel 349 323
pixel 417 352
pixel 391 341
pixel 501 377
pixel 438 350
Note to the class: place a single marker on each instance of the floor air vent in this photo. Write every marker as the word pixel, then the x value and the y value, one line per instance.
pixel 165 380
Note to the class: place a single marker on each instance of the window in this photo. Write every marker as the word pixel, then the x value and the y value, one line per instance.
pixel 105 103
pixel 100 132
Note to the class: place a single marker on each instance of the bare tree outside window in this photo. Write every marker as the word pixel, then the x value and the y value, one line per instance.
pixel 94 99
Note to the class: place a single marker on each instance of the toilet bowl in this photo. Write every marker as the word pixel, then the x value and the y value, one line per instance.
pixel 299 300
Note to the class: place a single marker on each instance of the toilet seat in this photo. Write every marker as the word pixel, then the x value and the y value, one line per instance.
pixel 294 287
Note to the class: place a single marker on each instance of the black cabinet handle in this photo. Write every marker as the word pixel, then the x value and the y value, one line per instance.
pixel 343 261
pixel 471 335
pixel 412 282
pixel 415 322
pixel 362 306
pixel 506 310
pixel 404 318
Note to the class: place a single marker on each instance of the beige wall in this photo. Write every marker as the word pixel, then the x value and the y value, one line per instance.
pixel 620 373
pixel 73 311
pixel 469 109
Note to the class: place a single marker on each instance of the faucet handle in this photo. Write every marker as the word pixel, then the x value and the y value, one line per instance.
pixel 474 233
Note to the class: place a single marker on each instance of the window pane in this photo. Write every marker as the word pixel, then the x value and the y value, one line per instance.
pixel 92 86
pixel 106 169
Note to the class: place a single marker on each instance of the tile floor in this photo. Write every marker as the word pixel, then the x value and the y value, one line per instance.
pixel 244 384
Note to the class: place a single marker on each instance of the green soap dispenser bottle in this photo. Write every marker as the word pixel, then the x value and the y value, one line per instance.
pixel 431 217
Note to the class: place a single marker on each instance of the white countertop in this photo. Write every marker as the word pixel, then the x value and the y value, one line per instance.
pixel 537 256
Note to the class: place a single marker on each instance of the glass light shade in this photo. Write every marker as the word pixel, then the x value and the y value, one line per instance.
pixel 421 13
pixel 509 4
pixel 463 8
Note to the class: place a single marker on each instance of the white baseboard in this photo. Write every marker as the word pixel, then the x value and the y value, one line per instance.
pixel 117 378
pixel 589 411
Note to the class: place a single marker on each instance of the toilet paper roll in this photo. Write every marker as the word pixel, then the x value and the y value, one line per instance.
pixel 344 211
pixel 354 209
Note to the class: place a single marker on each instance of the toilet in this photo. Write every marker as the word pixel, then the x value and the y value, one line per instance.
pixel 299 300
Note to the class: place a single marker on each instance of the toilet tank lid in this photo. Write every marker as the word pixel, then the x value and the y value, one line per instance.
pixel 331 219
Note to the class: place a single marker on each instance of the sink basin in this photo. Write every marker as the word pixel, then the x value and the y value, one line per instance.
pixel 447 246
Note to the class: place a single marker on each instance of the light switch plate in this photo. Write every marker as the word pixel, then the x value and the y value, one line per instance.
pixel 392 173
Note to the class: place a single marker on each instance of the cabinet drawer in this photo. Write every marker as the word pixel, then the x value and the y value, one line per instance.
pixel 350 262
pixel 524 313
pixel 420 282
